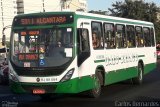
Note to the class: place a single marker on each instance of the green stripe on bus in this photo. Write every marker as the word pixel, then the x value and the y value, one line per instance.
pixel 98 61
pixel 139 56
pixel 83 83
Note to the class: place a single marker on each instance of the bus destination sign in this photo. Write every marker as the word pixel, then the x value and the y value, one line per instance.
pixel 43 20
pixel 28 57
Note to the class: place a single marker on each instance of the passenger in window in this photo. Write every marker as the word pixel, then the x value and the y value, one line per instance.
pixel 85 44
pixel 142 42
pixel 23 47
pixel 130 43
pixel 105 44
pixel 59 44
pixel 95 41
pixel 137 41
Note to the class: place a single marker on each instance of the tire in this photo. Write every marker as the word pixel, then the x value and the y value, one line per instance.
pixel 139 79
pixel 96 92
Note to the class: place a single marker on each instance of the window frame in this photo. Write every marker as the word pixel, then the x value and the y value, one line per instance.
pixel 112 36
pixel 134 42
pixel 80 30
pixel 123 36
pixel 100 35
pixel 137 42
pixel 145 37
pixel 152 31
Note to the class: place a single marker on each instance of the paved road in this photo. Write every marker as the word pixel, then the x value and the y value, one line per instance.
pixel 120 94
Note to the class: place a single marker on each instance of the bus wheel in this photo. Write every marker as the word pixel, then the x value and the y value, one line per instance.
pixel 95 92
pixel 139 79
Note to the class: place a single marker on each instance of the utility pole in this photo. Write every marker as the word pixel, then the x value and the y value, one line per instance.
pixel 62 4
pixel 4 40
pixel 2 13
pixel 20 7
pixel 43 5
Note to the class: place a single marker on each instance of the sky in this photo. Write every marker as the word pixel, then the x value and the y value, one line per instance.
pixel 105 4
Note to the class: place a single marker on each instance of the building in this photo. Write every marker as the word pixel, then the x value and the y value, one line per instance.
pixel 74 5
pixel 7 12
pixel 10 8
pixel 41 6
pixel 57 5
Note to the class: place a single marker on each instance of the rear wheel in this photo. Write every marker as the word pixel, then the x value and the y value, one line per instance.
pixel 139 78
pixel 95 92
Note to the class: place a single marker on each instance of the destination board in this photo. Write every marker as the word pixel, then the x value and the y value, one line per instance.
pixel 43 20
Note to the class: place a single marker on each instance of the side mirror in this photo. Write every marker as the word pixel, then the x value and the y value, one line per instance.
pixel 4 40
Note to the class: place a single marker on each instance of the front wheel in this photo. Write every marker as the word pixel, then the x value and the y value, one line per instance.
pixel 139 78
pixel 96 91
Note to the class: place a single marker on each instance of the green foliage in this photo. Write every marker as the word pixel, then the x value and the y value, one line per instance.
pixel 138 10
pixel 99 12
pixel 7 44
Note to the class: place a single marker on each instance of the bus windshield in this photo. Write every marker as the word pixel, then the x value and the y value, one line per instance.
pixel 42 47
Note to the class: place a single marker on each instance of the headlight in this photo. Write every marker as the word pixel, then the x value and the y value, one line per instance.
pixel 68 75
pixel 12 76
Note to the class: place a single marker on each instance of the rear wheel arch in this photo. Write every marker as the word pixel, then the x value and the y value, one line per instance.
pixel 140 71
pixel 141 63
pixel 100 68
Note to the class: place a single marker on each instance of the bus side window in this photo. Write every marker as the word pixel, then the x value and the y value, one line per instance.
pixel 120 36
pixel 97 35
pixel 147 36
pixel 139 37
pixel 130 36
pixel 16 45
pixel 152 37
pixel 82 45
pixel 109 35
pixel 83 40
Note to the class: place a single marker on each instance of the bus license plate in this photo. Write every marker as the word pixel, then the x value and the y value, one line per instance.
pixel 38 91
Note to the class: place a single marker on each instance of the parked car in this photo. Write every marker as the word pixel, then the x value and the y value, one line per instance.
pixel 4 73
pixel 4 70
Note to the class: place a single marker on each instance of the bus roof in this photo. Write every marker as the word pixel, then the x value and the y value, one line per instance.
pixel 113 18
pixel 91 16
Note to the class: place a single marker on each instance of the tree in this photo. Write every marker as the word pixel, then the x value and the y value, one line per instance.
pixel 7 44
pixel 99 12
pixel 138 10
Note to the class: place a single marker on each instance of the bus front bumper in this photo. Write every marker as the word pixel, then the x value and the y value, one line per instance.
pixel 61 87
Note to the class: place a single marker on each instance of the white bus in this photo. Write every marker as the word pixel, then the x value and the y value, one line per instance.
pixel 72 52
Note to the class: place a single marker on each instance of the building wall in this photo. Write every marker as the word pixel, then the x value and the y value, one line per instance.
pixel 9 11
pixel 74 5
pixel 37 6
